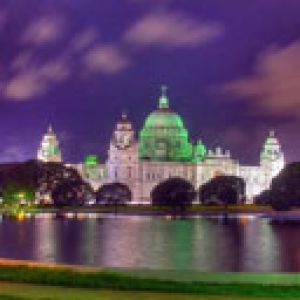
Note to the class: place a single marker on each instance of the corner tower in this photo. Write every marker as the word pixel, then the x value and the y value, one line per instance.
pixel 271 157
pixel 164 136
pixel 122 163
pixel 49 148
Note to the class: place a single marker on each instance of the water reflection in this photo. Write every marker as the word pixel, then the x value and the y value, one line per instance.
pixel 16 239
pixel 205 244
pixel 45 239
pixel 260 247
pixel 288 246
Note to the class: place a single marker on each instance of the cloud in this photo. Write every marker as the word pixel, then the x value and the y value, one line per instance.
pixel 56 70
pixel 32 80
pixel 274 87
pixel 24 85
pixel 105 58
pixel 171 30
pixel 23 60
pixel 84 39
pixel 35 71
pixel 45 30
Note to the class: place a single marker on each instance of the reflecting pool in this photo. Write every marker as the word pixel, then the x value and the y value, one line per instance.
pixel 244 243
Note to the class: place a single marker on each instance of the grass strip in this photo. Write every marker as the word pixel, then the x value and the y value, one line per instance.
pixel 149 209
pixel 8 297
pixel 66 277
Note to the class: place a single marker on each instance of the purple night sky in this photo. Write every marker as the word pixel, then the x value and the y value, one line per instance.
pixel 232 68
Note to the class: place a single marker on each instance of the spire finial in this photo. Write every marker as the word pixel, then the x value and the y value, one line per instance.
pixel 163 100
pixel 50 129
pixel 272 133
pixel 124 115
pixel 163 89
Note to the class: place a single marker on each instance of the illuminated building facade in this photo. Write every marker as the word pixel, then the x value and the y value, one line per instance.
pixel 49 150
pixel 164 150
pixel 91 170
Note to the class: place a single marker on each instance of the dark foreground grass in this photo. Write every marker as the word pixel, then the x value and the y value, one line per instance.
pixel 24 291
pixel 147 209
pixel 68 277
pixel 8 297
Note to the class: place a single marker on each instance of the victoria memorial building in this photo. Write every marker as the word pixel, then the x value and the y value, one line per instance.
pixel 162 150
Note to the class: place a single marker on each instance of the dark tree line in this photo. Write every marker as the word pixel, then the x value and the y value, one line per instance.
pixel 18 178
pixel 114 194
pixel 68 189
pixel 178 194
pixel 64 184
pixel 175 193
pixel 223 190
pixel 284 192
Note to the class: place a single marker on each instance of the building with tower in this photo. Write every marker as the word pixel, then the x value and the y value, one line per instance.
pixel 162 149
pixel 49 150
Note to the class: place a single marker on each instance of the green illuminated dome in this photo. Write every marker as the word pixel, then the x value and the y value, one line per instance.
pixel 164 137
pixel 91 160
pixel 200 151
pixel 163 118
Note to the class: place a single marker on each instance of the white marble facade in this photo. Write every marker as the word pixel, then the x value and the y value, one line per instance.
pixel 142 175
pixel 125 165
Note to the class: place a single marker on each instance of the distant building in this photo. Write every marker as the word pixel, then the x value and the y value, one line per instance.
pixel 92 171
pixel 49 148
pixel 163 150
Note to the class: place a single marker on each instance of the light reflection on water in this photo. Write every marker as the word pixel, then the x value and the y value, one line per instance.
pixel 244 243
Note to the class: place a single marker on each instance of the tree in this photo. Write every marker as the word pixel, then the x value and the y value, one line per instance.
pixel 16 194
pixel 21 181
pixel 279 201
pixel 19 175
pixel 264 198
pixel 59 181
pixel 285 188
pixel 113 194
pixel 223 190
pixel 70 193
pixel 175 193
pixel 18 182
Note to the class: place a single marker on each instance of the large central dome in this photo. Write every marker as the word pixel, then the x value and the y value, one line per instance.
pixel 164 137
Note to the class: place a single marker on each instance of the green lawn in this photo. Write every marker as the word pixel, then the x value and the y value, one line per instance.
pixel 142 209
pixel 265 278
pixel 32 280
pixel 17 291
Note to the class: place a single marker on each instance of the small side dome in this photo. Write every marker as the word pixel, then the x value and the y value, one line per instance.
pixel 200 151
pixel 91 160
